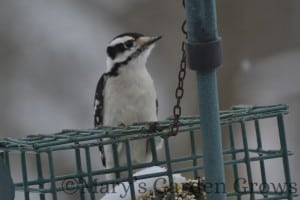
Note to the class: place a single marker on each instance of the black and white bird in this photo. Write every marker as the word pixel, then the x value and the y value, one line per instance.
pixel 126 94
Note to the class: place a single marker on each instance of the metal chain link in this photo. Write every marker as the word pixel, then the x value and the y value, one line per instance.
pixel 179 90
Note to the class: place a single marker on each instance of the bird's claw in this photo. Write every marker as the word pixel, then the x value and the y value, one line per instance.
pixel 154 127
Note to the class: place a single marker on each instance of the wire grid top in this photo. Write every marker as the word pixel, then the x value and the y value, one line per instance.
pixel 69 138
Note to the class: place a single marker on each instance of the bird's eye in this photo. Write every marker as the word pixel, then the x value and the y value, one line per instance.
pixel 129 44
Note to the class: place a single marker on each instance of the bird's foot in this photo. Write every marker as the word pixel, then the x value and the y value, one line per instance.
pixel 154 127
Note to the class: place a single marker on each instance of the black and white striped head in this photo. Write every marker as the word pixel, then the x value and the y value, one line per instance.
pixel 129 47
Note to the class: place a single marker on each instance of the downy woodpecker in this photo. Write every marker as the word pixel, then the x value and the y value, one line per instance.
pixel 126 94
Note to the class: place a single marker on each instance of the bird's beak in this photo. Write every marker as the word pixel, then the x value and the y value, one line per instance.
pixel 147 41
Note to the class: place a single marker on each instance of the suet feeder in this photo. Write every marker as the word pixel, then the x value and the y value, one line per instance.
pixel 238 124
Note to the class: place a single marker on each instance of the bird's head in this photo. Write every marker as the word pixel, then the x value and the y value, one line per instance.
pixel 129 47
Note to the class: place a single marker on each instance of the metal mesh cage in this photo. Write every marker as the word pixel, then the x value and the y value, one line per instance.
pixel 33 160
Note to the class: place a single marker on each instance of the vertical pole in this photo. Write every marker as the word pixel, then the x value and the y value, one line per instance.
pixel 79 171
pixel 285 156
pixel 203 49
pixel 40 173
pixel 52 175
pixel 25 175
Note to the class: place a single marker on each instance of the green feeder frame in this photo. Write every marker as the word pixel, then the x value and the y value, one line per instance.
pixel 39 154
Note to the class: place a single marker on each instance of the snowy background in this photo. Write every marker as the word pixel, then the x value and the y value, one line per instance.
pixel 52 53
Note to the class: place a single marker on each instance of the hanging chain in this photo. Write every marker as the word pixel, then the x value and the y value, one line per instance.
pixel 179 90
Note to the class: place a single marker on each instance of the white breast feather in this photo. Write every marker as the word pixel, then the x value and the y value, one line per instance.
pixel 129 97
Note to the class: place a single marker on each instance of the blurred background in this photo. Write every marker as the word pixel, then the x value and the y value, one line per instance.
pixel 52 53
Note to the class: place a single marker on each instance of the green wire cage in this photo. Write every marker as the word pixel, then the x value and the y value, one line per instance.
pixel 238 124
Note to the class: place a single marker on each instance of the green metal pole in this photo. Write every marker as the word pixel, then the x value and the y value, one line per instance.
pixel 203 49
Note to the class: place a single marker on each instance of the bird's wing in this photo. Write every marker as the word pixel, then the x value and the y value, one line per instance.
pixel 98 110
